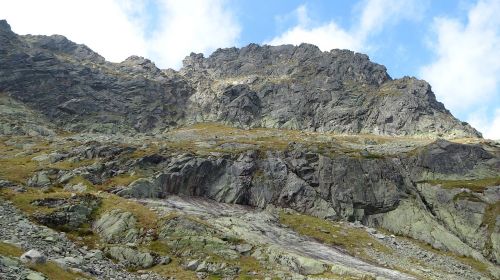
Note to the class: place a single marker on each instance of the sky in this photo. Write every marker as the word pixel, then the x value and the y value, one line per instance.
pixel 452 44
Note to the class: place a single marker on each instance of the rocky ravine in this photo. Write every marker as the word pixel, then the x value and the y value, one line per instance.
pixel 255 163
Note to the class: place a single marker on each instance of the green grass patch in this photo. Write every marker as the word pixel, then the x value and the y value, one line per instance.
pixel 249 264
pixel 489 220
pixel 478 185
pixel 10 250
pixel 119 180
pixel 335 276
pixel 353 240
pixel 490 216
pixel 69 165
pixel 466 196
pixel 55 272
pixel 17 168
pixel 160 247
pixel 174 269
pixel 23 200
pixel 475 264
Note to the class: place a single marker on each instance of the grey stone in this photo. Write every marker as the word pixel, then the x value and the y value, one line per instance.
pixel 164 260
pixel 117 226
pixel 40 179
pixel 68 262
pixel 79 188
pixel 33 256
pixel 70 213
pixel 244 248
pixel 379 236
pixel 131 257
pixel 35 276
pixel 193 265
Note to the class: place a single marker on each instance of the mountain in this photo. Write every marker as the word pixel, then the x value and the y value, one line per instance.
pixel 261 162
pixel 288 87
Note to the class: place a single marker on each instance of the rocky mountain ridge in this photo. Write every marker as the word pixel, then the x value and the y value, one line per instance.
pixel 287 87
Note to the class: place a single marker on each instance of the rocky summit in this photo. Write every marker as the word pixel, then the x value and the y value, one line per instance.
pixel 264 162
pixel 287 87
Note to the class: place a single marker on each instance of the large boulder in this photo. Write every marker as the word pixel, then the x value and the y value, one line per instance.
pixel 40 180
pixel 296 263
pixel 131 257
pixel 70 213
pixel 117 226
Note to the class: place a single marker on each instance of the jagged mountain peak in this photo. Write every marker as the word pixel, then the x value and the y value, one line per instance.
pixel 290 60
pixel 4 26
pixel 290 87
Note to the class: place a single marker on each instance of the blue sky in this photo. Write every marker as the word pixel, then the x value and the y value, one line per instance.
pixel 454 45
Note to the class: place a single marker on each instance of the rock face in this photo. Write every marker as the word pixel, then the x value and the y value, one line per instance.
pixel 131 257
pixel 307 182
pixel 69 214
pixel 384 192
pixel 255 86
pixel 117 227
pixel 304 88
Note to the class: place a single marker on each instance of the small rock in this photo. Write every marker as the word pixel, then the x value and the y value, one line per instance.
pixel 73 260
pixel 244 248
pixel 35 276
pixel 164 260
pixel 131 257
pixel 95 254
pixel 40 179
pixel 357 224
pixel 50 239
pixel 379 236
pixel 79 188
pixel 33 256
pixel 193 265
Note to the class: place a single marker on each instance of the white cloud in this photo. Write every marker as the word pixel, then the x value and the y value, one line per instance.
pixel 375 15
pixel 192 26
pixel 489 126
pixel 102 25
pixel 466 73
pixel 326 37
pixel 116 29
